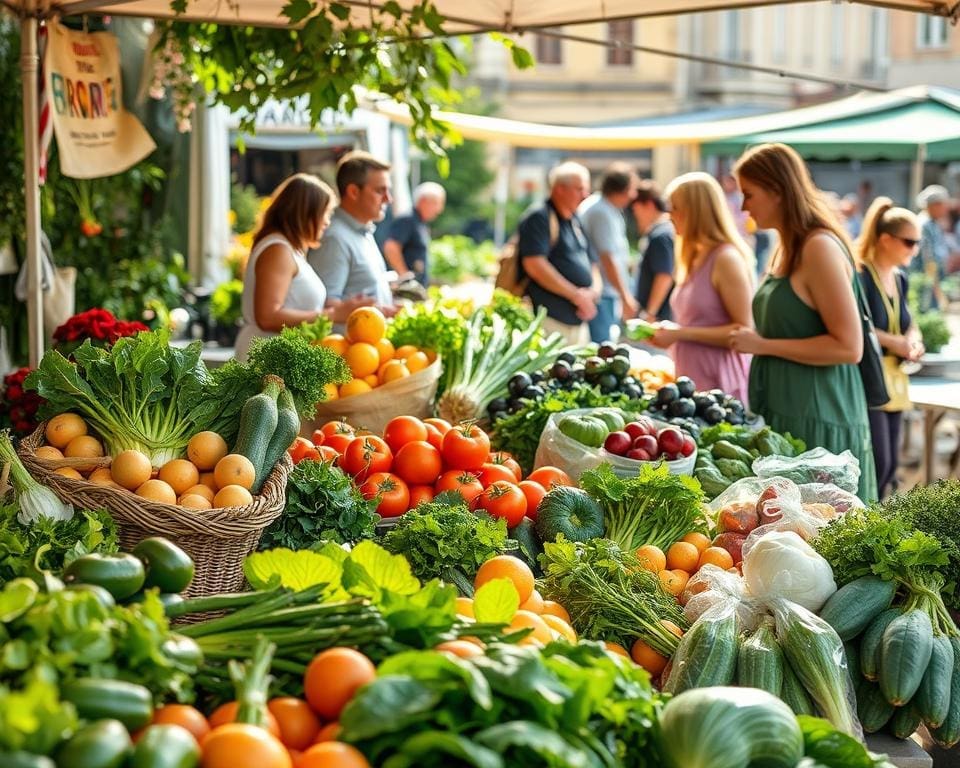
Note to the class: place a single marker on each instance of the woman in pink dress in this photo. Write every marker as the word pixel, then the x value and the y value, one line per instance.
pixel 714 287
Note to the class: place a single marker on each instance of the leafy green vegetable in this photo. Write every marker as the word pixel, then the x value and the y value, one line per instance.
pixel 496 602
pixel 322 505
pixel 293 570
pixel 511 308
pixel 520 432
pixel 140 394
pixel 84 533
pixel 315 330
pixel 609 594
pixel 436 536
pixel 654 507
pixel 433 325
pixel 934 331
pixel 824 745
pixel 34 719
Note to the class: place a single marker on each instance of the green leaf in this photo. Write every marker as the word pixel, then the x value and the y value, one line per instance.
pixel 441 670
pixel 433 743
pixel 830 747
pixel 387 705
pixel 522 58
pixel 534 737
pixel 370 570
pixel 17 598
pixel 298 10
pixel 496 602
pixel 294 570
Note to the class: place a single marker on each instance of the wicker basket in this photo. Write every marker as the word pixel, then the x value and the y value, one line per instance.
pixel 218 540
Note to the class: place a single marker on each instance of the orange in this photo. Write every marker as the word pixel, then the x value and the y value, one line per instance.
pixel 373 380
pixel 366 324
pixel 385 350
pixel 330 391
pixel 534 603
pixel 200 490
pixel 523 619
pixel 68 472
pixel 62 428
pixel 417 361
pixel 560 626
pixel 157 490
pixel 465 607
pixel 234 469
pixel 335 342
pixel 205 449
pixel 672 627
pixel 238 745
pixel 207 479
pixel 333 677
pixel 393 370
pixel 179 474
pixel 188 718
pixel 552 608
pixel 652 558
pixel 48 453
pixel 227 713
pixel 195 501
pixel 648 658
pixel 299 726
pixel 507 567
pixel 354 387
pixel 460 648
pixel 329 732
pixel 672 583
pixel 617 649
pixel 332 754
pixel 699 540
pixel 232 496
pixel 717 556
pixel 404 351
pixel 101 476
pixel 683 556
pixel 85 447
pixel 431 354
pixel 131 469
pixel 362 358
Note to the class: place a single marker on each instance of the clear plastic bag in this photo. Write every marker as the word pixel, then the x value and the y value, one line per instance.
pixel 715 634
pixel 815 654
pixel 712 586
pixel 780 564
pixel 814 466
pixel 827 493
pixel 558 450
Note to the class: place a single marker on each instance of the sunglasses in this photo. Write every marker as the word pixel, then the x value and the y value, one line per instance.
pixel 907 241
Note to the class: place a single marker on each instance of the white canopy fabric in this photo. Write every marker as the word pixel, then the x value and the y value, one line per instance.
pixel 461 15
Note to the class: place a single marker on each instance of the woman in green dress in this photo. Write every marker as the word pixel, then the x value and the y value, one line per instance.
pixel 808 340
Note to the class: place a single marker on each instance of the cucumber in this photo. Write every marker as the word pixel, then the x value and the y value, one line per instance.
pixel 459 579
pixel 794 694
pixel 904 655
pixel 870 643
pixel 96 699
pixel 103 744
pixel 873 709
pixel 529 546
pixel 288 427
pixel 258 422
pixel 760 661
pixel 948 734
pixel 851 652
pixel 165 746
pixel 932 699
pixel 852 607
pixel 707 655
pixel 904 722
pixel 25 760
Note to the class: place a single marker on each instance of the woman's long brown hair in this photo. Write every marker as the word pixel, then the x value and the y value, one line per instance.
pixel 298 207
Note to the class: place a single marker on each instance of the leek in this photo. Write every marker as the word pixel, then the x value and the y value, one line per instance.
pixel 35 500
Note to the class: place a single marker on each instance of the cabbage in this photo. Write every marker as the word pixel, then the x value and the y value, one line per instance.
pixel 781 564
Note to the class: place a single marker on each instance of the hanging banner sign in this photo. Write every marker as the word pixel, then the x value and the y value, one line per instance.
pixel 96 136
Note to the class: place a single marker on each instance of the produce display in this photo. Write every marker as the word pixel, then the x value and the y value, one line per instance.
pixel 706 592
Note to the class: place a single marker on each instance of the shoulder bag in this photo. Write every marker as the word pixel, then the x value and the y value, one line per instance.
pixel 897 382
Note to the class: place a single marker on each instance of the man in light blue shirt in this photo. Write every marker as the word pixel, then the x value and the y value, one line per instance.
pixel 348 259
pixel 934 204
pixel 606 229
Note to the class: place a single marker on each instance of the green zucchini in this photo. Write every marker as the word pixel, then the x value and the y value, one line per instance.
pixel 905 721
pixel 852 607
pixel 851 652
pixel 904 655
pixel 25 760
pixel 103 744
pixel 167 566
pixel 948 734
pixel 760 661
pixel 794 694
pixel 873 709
pixel 932 699
pixel 707 654
pixel 97 699
pixel 529 546
pixel 165 746
pixel 288 427
pixel 870 643
pixel 459 579
pixel 258 421
pixel 121 574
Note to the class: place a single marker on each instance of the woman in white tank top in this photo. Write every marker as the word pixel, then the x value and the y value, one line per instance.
pixel 280 288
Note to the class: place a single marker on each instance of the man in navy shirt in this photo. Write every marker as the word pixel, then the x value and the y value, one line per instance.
pixel 408 239
pixel 556 255
pixel 655 276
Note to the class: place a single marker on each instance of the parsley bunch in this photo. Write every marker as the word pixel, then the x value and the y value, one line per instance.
pixel 432 325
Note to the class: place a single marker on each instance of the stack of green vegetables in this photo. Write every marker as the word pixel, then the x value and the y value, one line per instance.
pixel 890 612
pixel 727 453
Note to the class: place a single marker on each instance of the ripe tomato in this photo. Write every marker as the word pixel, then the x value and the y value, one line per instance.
pixel 490 473
pixel 441 425
pixel 365 456
pixel 434 436
pixel 317 437
pixel 393 493
pixel 336 428
pixel 418 463
pixel 464 483
pixel 505 459
pixel 465 446
pixel 338 442
pixel 504 500
pixel 298 724
pixel 333 677
pixel 420 494
pixel 402 430
pixel 549 477
pixel 303 449
pixel 327 453
pixel 534 493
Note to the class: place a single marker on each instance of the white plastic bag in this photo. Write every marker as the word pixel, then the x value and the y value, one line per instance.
pixel 814 466
pixel 712 586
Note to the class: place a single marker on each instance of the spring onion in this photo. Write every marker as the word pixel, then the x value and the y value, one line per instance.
pixel 35 500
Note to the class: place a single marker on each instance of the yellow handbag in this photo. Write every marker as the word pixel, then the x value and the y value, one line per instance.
pixel 897 382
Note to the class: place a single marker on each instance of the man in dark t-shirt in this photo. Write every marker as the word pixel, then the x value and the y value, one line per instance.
pixel 655 275
pixel 557 257
pixel 407 246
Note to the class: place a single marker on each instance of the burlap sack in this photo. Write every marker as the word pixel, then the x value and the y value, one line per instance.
pixel 412 396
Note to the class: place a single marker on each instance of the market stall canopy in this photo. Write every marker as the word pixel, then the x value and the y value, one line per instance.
pixel 461 15
pixel 891 126
pixel 865 125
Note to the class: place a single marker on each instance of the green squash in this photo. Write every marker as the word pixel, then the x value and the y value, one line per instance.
pixel 569 511
pixel 586 430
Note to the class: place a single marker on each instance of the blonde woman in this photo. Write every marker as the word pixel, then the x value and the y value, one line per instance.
pixel 808 339
pixel 279 287
pixel 713 287
pixel 888 243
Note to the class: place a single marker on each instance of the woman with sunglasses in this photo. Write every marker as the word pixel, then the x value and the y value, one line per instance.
pixel 808 340
pixel 886 247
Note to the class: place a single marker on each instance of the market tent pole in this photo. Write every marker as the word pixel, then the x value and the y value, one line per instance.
pixel 916 172
pixel 29 71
